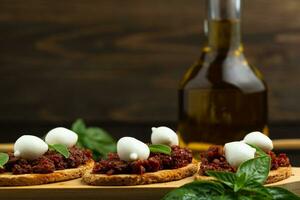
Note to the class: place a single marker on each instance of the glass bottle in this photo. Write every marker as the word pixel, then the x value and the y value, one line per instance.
pixel 221 97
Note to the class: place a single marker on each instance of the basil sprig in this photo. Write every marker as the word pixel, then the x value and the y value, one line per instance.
pixel 245 184
pixel 259 151
pixel 256 169
pixel 3 159
pixel 60 148
pixel 95 139
pixel 160 148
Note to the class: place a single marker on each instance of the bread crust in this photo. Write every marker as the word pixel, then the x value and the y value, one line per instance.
pixel 135 179
pixel 274 176
pixel 279 174
pixel 9 179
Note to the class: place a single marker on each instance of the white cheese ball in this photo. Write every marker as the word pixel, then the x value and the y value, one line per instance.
pixel 30 147
pixel 131 149
pixel 260 140
pixel 61 135
pixel 238 152
pixel 164 135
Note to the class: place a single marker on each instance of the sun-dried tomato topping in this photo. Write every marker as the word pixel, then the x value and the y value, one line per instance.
pixel 280 160
pixel 179 157
pixel 47 163
pixel 214 159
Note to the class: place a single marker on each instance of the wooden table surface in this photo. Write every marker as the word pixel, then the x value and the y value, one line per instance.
pixel 76 190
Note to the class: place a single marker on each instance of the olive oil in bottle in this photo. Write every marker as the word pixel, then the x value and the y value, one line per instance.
pixel 221 97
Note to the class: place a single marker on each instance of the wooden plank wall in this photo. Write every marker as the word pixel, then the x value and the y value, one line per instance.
pixel 116 60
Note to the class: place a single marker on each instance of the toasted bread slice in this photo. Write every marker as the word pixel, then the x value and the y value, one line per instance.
pixel 146 178
pixel 9 179
pixel 274 176
pixel 279 174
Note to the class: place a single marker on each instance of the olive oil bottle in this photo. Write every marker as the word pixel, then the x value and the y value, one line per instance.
pixel 221 97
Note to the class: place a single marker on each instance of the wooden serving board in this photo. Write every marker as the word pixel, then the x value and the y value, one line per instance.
pixel 77 190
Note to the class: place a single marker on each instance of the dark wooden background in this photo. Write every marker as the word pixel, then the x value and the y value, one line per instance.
pixel 117 63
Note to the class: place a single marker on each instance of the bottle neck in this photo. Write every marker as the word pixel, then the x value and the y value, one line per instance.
pixel 223 25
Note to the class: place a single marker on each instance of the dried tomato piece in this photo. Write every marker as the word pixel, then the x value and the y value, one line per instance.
pixel 180 157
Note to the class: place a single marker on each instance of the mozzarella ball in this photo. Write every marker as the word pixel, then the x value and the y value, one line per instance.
pixel 260 140
pixel 30 147
pixel 131 149
pixel 238 152
pixel 164 135
pixel 61 135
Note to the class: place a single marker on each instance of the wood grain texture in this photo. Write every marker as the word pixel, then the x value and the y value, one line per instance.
pixel 76 190
pixel 122 60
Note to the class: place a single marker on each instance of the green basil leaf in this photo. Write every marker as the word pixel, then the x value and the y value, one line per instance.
pixel 97 155
pixel 181 194
pixel 198 190
pixel 250 196
pixel 259 151
pixel 107 148
pixel 78 127
pixel 256 169
pixel 246 184
pixel 99 149
pixel 99 135
pixel 244 197
pixel 256 188
pixel 3 159
pixel 99 146
pixel 281 194
pixel 62 149
pixel 160 148
pixel 96 139
pixel 240 182
pixel 228 178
